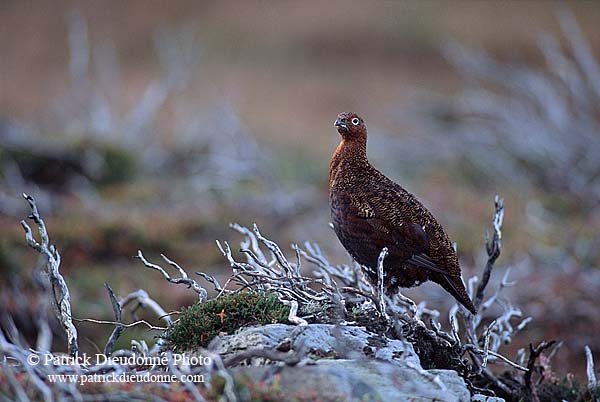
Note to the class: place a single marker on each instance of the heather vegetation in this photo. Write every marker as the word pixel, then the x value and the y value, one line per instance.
pixel 141 136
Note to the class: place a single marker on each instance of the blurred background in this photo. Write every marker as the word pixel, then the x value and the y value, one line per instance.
pixel 147 125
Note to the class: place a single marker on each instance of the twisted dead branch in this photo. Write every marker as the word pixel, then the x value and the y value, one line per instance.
pixel 61 298
pixel 534 354
pixel 184 279
pixel 592 384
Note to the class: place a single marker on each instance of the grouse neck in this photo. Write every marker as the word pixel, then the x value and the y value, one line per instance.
pixel 349 156
pixel 353 149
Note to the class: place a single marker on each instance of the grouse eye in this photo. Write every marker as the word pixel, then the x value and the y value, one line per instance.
pixel 355 121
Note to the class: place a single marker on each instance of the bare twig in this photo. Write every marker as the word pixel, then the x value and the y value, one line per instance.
pixel 486 343
pixel 534 353
pixel 592 384
pixel 61 299
pixel 129 325
pixel 119 327
pixel 274 248
pixel 212 280
pixel 143 300
pixel 493 247
pixel 292 317
pixel 469 347
pixel 184 279
pixel 380 278
pixel 281 276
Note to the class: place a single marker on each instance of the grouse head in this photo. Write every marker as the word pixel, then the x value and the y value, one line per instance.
pixel 351 126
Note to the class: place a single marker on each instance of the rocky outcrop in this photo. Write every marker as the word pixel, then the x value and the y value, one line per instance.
pixel 338 363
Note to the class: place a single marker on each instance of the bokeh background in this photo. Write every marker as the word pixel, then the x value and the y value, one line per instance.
pixel 151 125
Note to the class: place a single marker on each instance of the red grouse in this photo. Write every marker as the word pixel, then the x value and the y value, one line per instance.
pixel 369 212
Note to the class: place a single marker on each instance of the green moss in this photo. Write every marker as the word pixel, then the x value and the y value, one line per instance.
pixel 118 165
pixel 100 162
pixel 201 322
pixel 8 263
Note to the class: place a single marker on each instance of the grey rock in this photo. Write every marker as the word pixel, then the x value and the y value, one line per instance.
pixel 357 380
pixel 346 364
pixel 319 341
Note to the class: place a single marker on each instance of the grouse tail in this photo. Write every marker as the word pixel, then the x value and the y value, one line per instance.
pixel 454 285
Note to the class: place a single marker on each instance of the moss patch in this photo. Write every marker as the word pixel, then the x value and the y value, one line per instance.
pixel 201 322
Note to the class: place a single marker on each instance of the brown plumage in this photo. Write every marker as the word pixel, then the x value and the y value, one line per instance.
pixel 369 212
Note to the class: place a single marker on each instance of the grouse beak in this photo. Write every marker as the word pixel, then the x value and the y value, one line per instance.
pixel 340 125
